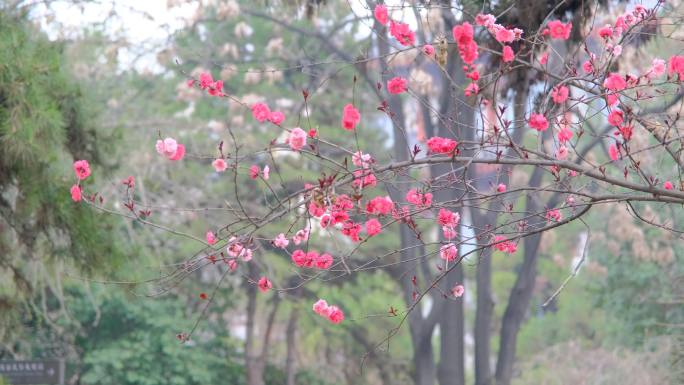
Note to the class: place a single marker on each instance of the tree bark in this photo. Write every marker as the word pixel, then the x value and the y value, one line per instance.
pixel 291 340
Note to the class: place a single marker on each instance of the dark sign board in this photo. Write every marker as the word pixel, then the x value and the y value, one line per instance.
pixel 36 372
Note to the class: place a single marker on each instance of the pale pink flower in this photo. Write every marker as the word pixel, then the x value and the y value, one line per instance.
pixel 265 284
pixel 211 238
pixel 297 139
pixel 281 241
pixel 457 291
pixel 321 308
pixel 220 165
pixel 82 169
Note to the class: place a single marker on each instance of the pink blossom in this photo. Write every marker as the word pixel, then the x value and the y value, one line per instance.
pixel 606 31
pixel 676 66
pixel 325 220
pixel 457 291
pixel 167 147
pixel 588 67
pixel 562 153
pixel 261 112
pixel 485 20
pixel 301 236
pixel 428 50
pixel 211 238
pixel 613 152
pixel 297 139
pixel 564 134
pixel 538 122
pixel 626 132
pixel 657 68
pixel 75 191
pixel 82 169
pixel 205 80
pixel 559 30
pixel 503 35
pixel 449 232
pixel 615 82
pixel 373 227
pixel 276 117
pixel 281 241
pixel 471 89
pixel 380 13
pixel 544 58
pixel 364 178
pixel 438 145
pixel 254 171
pixel 402 32
pixel 467 47
pixel 501 188
pixel 324 261
pixel 264 284
pixel 502 244
pixel 380 205
pixel 508 55
pixel 300 258
pixel 351 230
pixel 560 94
pixel 448 252
pixel 321 308
pixel 180 152
pixel 668 185
pixel 615 118
pixel 335 314
pixel 350 117
pixel 315 210
pixel 448 218
pixel 553 215
pixel 361 160
pixel 220 165
pixel 396 85
pixel 419 199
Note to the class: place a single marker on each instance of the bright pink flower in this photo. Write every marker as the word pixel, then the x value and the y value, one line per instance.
pixel 297 139
pixel 560 94
pixel 419 199
pixel 428 50
pixel 325 220
pixel 281 241
pixel 380 13
pixel 508 55
pixel 300 258
pixel 588 67
pixel 438 145
pixel 676 66
pixel 402 32
pixel 501 188
pixel 503 35
pixel 205 80
pixel 350 117
pixel 211 238
pixel 216 89
pixel 538 122
pixel 448 252
pixel 364 178
pixel 373 227
pixel 380 205
pixel 180 152
pixel 82 169
pixel 264 284
pixel 626 132
pixel 220 165
pixel 467 47
pixel 335 315
pixel 75 191
pixel 615 82
pixel 254 171
pixel 613 152
pixel 396 85
pixel 276 117
pixel 457 291
pixel 564 134
pixel 615 118
pixel 321 308
pixel 606 31
pixel 558 30
pixel 668 185
pixel 351 230
pixel 324 261
pixel 504 245
pixel 312 133
pixel 544 58
pixel 448 218
pixel 261 112
pixel 339 216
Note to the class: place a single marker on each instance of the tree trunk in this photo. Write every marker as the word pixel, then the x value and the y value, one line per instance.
pixel 291 339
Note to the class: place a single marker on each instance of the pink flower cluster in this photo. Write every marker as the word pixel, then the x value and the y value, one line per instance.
pixel 419 199
pixel 558 30
pixel 538 122
pixel 261 112
pixel 170 149
pixel 312 259
pixel 235 249
pixel 350 117
pixel 438 145
pixel 333 313
pixel 502 244
pixel 206 82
